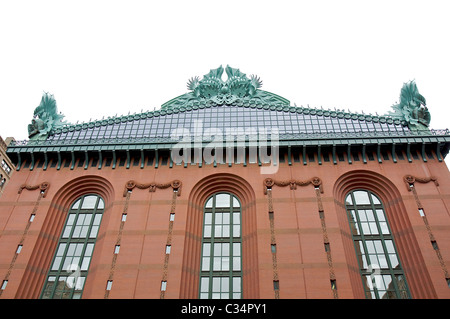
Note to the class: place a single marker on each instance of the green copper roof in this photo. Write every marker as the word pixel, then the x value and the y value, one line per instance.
pixel 236 108
pixel 242 104
pixel 240 92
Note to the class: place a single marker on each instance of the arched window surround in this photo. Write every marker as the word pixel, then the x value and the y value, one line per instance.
pixel 408 249
pixel 200 192
pixel 71 261
pixel 32 282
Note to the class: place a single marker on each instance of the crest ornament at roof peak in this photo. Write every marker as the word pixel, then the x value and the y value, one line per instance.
pixel 213 89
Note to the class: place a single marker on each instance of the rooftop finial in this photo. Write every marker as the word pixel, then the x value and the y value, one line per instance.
pixel 45 118
pixel 412 107
pixel 212 89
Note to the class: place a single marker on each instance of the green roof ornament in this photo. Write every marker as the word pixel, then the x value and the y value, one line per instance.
pixel 412 108
pixel 238 88
pixel 45 118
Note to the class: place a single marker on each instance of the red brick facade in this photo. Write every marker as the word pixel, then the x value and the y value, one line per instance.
pixel 300 209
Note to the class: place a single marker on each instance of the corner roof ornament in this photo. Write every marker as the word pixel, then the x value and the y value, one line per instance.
pixel 45 118
pixel 412 108
pixel 211 89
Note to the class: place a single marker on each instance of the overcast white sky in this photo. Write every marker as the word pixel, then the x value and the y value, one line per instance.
pixel 102 58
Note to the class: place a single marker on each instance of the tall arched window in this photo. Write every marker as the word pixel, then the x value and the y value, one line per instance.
pixel 70 265
pixel 379 265
pixel 221 271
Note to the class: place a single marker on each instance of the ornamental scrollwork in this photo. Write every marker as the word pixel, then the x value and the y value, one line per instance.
pixel 130 185
pixel 315 181
pixel 43 187
pixel 410 180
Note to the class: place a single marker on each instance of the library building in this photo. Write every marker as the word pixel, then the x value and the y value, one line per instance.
pixel 228 191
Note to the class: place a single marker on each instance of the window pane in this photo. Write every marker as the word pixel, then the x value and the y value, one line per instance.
pixel 223 200
pixel 218 218
pixel 205 263
pixel 209 203
pixel 216 284
pixel 76 204
pixel 101 204
pixel 361 198
pixel 382 261
pixel 380 215
pixel 98 218
pixel 236 218
pixel 218 231
pixel 393 260
pixel 206 249
pixel 375 199
pixel 94 232
pixel 225 287
pixel 71 250
pixel 89 202
pixel 225 231
pixel 237 263
pixel 80 283
pixel 217 249
pixel 348 200
pixel 85 263
pixel 225 249
pixel 56 263
pixel 204 284
pixel 236 284
pixel 207 232
pixel 89 249
pixel 225 266
pixel 373 228
pixel 236 249
pixel 61 249
pixel 70 219
pixel 384 228
pixel 389 246
pixel 370 216
pixel 236 231
pixel 216 264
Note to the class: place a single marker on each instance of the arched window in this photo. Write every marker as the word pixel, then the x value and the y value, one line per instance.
pixel 379 265
pixel 70 265
pixel 221 270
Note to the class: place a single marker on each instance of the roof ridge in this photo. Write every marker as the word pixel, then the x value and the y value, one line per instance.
pixel 251 104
